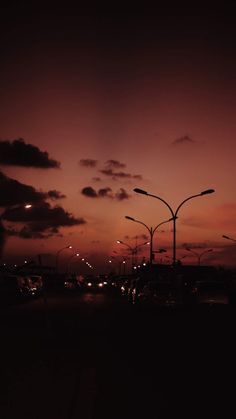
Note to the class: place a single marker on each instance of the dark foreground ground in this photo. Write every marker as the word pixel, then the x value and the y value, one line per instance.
pixel 95 356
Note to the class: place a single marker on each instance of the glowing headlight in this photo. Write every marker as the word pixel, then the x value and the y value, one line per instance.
pixel 89 284
pixel 100 284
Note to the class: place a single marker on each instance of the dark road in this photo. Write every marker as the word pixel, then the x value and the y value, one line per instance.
pixel 95 356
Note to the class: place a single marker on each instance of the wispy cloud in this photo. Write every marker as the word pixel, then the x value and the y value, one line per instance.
pixel 119 175
pixel 54 195
pixel 88 163
pixel 120 195
pixel 183 140
pixel 114 164
pixel 18 153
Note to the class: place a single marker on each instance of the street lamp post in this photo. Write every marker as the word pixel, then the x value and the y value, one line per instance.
pixel 174 213
pixel 198 255
pixel 151 232
pixel 69 260
pixel 229 238
pixel 58 253
pixel 132 249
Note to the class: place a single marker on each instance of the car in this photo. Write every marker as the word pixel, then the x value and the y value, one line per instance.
pixel 93 283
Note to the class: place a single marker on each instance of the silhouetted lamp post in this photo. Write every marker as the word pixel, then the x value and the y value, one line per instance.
pixel 133 249
pixel 198 255
pixel 70 259
pixel 229 238
pixel 58 253
pixel 174 213
pixel 151 231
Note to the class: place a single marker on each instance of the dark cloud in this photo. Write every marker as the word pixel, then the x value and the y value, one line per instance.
pixel 41 220
pixel 183 140
pixel 105 192
pixel 18 153
pixel 53 194
pixel 122 194
pixel 88 162
pixel 14 192
pixel 89 191
pixel 119 175
pixel 26 233
pixel 114 164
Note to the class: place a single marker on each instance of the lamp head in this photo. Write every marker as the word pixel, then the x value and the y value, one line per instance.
pixel 137 190
pixel 207 191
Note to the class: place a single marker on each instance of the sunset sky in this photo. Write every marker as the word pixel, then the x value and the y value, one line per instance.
pixel 105 103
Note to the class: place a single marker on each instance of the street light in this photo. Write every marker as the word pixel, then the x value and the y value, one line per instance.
pixel 133 249
pixel 69 260
pixel 198 255
pixel 57 255
pixel 151 232
pixel 229 238
pixel 174 213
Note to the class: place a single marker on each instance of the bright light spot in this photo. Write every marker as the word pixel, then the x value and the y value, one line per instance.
pixel 27 206
pixel 105 283
pixel 100 284
pixel 89 284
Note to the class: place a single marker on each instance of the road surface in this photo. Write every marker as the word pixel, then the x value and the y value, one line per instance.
pixel 93 355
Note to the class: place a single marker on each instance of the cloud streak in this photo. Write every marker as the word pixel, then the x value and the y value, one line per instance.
pixel 183 140
pixel 119 175
pixel 88 163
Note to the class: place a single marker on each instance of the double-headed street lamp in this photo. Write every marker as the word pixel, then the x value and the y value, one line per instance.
pixel 174 213
pixel 133 249
pixel 151 231
pixel 198 255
